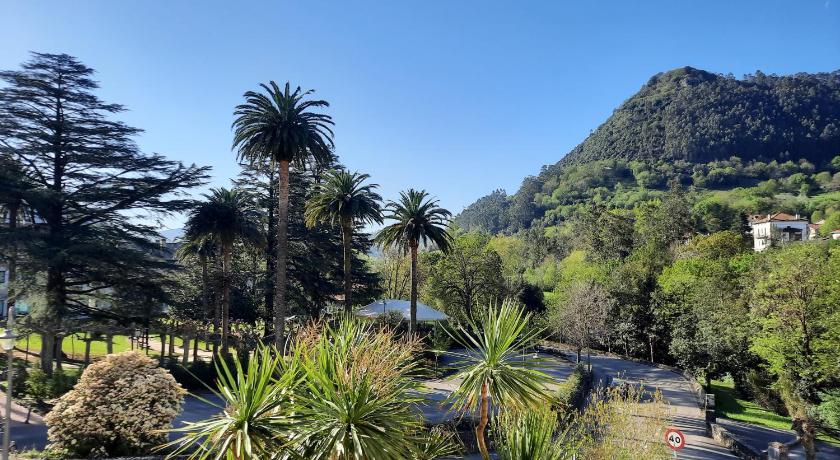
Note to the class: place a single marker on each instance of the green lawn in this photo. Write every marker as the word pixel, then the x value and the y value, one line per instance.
pixel 74 347
pixel 727 404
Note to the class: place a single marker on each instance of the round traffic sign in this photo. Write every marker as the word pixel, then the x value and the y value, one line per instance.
pixel 675 438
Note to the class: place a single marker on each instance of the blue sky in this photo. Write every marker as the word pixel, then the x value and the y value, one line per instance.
pixel 457 97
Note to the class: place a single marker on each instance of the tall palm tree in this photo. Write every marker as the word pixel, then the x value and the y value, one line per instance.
pixel 279 127
pixel 204 248
pixel 227 216
pixel 493 368
pixel 343 199
pixel 418 219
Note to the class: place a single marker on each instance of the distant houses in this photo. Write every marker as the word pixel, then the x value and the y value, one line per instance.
pixel 770 229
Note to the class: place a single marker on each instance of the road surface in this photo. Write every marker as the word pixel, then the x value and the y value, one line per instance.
pixel 677 391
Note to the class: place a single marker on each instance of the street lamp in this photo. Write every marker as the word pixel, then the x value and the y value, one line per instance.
pixel 7 341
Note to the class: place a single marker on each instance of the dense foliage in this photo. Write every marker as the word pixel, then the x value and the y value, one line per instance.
pixel 118 407
pixel 689 114
pixel 96 195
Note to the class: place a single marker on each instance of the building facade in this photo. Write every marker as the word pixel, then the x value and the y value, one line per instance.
pixel 780 228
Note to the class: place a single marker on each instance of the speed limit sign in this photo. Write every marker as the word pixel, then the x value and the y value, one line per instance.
pixel 675 439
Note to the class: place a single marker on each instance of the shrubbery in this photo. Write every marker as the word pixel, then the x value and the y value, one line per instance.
pixel 571 393
pixel 197 375
pixel 118 407
pixel 41 387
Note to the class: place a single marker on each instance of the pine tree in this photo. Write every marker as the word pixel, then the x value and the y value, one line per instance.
pixel 99 194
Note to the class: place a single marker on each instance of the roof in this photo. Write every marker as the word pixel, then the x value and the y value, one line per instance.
pixel 833 232
pixel 424 312
pixel 778 217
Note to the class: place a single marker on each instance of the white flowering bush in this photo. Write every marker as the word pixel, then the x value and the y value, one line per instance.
pixel 118 407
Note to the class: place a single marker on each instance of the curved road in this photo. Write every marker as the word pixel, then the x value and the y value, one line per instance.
pixel 677 391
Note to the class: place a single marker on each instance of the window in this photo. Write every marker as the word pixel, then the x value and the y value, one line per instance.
pixel 2 276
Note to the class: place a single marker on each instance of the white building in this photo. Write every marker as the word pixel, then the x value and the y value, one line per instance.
pixel 779 227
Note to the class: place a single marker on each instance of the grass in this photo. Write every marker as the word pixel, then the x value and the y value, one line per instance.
pixel 74 347
pixel 728 405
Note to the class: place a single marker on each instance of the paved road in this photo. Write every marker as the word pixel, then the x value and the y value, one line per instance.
pixel 686 415
pixel 758 437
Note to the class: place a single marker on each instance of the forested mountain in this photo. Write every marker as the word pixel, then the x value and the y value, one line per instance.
pixel 703 130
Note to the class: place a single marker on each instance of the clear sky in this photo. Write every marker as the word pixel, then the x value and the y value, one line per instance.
pixel 457 97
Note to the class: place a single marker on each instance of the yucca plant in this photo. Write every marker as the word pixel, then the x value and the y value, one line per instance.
pixel 527 435
pixel 253 423
pixel 492 366
pixel 438 442
pixel 357 395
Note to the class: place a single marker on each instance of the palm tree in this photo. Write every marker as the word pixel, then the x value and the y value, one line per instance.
pixel 493 368
pixel 343 199
pixel 418 219
pixel 204 248
pixel 227 216
pixel 278 127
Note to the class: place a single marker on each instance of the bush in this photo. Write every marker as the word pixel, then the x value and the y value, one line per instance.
pixel 197 375
pixel 41 387
pixel 571 394
pixel 117 408
pixel 759 388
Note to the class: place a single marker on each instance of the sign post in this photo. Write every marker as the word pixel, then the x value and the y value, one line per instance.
pixel 675 439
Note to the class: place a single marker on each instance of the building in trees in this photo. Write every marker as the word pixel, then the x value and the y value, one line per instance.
pixel 778 227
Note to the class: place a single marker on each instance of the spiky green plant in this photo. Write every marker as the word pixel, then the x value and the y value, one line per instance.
pixel 493 368
pixel 253 423
pixel 344 199
pixel 418 219
pixel 527 435
pixel 358 395
pixel 438 442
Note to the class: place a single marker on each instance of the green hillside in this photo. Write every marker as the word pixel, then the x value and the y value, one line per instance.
pixel 756 145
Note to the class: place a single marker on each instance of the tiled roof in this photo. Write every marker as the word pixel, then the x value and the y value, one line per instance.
pixel 779 216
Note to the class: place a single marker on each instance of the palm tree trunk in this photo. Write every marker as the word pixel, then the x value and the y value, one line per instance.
pixel 347 240
pixel 205 287
pixel 413 322
pixel 226 299
pixel 282 253
pixel 270 249
pixel 217 317
pixel 482 423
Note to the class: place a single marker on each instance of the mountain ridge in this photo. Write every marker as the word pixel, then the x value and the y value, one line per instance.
pixel 701 129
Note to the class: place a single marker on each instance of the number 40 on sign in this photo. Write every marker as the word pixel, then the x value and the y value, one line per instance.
pixel 675 439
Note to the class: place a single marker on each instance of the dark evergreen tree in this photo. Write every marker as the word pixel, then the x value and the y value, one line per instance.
pixel 98 194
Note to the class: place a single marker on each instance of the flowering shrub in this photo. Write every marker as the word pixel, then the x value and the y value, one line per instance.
pixel 117 408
